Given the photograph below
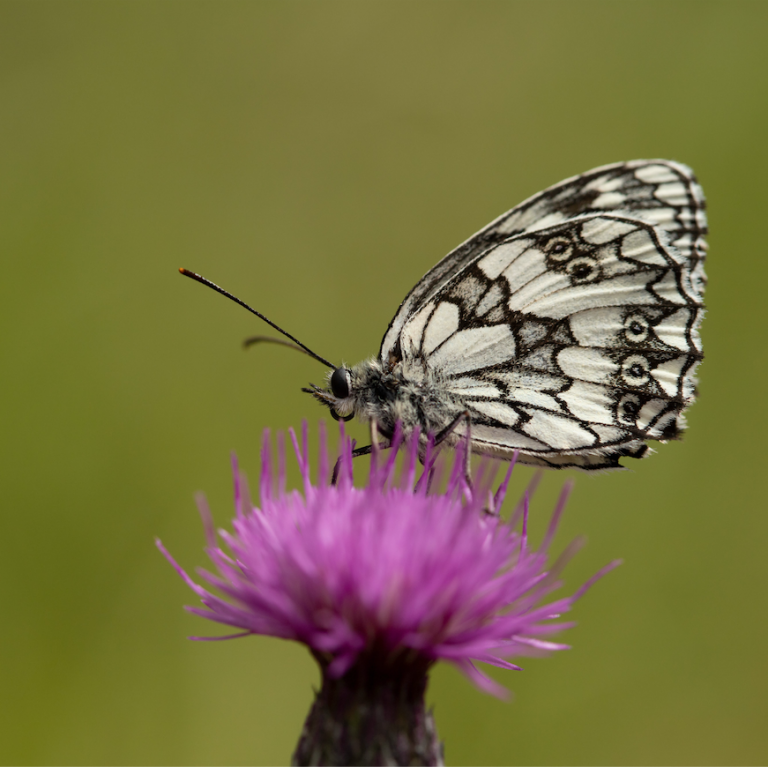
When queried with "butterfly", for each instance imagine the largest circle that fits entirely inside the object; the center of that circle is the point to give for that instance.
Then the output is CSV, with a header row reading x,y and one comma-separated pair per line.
x,y
566,331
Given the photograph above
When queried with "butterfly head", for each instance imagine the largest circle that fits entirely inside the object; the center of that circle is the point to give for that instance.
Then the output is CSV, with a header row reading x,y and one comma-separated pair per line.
x,y
370,391
339,397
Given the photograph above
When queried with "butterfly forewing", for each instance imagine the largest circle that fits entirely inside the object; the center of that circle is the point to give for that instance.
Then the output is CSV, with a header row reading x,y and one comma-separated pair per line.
x,y
569,326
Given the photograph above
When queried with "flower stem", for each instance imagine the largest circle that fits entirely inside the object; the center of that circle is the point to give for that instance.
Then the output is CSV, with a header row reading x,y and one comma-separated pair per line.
x,y
373,714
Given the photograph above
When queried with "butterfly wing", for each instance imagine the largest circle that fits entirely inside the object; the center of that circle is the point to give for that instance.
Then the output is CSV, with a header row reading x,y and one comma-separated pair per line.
x,y
662,193
573,343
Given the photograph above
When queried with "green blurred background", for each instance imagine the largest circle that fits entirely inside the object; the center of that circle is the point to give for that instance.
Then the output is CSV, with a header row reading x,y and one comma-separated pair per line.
x,y
316,159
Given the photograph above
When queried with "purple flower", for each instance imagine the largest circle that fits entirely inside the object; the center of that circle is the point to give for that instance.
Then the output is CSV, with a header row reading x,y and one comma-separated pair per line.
x,y
390,570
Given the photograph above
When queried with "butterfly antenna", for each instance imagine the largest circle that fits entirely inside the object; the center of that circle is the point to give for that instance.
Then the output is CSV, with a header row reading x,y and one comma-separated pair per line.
x,y
223,292
253,340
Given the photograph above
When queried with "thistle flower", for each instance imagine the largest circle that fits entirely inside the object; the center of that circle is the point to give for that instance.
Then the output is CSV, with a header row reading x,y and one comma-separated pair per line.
x,y
380,582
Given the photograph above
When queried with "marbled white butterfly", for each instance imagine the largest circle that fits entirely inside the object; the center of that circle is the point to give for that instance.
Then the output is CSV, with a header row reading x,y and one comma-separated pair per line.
x,y
565,330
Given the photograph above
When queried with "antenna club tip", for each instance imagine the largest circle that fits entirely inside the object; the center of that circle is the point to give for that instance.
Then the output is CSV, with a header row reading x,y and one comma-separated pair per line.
x,y
182,270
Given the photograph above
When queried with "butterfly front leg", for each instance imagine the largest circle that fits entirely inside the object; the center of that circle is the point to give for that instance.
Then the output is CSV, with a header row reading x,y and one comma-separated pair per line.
x,y
375,447
356,452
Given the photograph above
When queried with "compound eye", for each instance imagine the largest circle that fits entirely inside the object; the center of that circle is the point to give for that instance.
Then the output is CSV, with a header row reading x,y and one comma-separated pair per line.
x,y
340,383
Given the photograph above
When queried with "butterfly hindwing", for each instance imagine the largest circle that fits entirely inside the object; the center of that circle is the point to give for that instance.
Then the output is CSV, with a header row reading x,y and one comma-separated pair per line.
x,y
573,343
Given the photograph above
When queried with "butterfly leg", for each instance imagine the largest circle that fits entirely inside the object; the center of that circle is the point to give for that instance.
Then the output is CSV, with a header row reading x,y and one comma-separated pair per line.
x,y
448,430
375,446
358,451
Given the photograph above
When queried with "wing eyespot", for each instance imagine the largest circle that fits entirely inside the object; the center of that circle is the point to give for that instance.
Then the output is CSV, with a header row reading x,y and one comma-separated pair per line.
x,y
636,328
584,269
628,409
558,249
635,370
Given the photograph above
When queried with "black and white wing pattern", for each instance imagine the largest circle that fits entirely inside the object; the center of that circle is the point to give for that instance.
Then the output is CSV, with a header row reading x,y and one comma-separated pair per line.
x,y
568,327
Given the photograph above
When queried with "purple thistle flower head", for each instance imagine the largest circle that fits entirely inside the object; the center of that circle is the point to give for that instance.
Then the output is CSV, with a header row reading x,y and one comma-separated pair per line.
x,y
390,570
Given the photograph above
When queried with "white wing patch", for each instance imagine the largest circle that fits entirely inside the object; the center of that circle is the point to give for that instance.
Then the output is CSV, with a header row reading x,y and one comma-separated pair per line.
x,y
598,327
587,364
559,432
492,298
590,402
473,387
628,289
640,246
413,332
506,439
663,173
497,411
500,258
442,325
600,230
667,289
668,375
474,349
